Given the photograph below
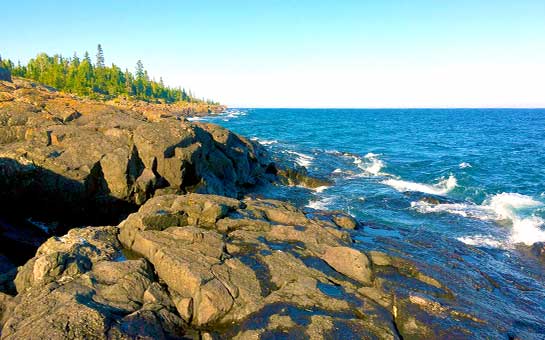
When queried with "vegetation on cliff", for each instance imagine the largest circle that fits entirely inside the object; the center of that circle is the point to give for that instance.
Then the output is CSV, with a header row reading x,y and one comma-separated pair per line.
x,y
97,80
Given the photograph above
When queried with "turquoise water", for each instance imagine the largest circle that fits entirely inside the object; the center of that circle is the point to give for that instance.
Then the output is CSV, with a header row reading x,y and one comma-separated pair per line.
x,y
427,184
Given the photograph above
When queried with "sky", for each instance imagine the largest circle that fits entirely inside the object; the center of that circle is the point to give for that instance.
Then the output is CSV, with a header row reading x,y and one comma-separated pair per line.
x,y
305,53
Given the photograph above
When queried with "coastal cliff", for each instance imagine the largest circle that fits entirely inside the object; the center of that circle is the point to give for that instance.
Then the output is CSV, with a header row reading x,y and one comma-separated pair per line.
x,y
145,227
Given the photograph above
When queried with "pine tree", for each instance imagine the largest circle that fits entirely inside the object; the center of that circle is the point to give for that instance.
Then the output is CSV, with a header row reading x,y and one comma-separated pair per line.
x,y
100,57
84,78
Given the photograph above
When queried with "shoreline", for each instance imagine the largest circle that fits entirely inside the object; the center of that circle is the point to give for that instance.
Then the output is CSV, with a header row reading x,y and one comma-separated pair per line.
x,y
187,252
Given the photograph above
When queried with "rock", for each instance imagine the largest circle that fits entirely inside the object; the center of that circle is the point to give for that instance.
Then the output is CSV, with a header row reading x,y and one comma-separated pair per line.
x,y
210,266
92,163
379,258
110,298
300,176
7,304
349,262
538,249
345,221
68,256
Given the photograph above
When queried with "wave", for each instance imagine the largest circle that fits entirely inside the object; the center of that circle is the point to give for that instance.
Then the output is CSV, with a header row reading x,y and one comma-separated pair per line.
x,y
321,188
321,204
481,241
370,164
441,188
233,113
264,141
508,207
464,165
301,158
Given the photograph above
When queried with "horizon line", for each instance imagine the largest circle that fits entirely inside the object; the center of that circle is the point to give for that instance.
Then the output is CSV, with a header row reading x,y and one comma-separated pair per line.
x,y
385,108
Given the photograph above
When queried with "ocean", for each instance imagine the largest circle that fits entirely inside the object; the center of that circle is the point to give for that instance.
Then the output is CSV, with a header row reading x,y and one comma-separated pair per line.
x,y
459,191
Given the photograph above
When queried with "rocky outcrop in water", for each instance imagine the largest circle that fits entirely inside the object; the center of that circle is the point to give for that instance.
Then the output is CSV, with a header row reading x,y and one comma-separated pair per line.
x,y
215,267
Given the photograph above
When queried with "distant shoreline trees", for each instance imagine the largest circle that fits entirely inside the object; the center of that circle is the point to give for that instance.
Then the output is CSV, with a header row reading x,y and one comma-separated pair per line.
x,y
84,78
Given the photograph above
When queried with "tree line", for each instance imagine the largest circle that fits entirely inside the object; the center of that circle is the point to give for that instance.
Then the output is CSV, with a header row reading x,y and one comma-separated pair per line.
x,y
85,78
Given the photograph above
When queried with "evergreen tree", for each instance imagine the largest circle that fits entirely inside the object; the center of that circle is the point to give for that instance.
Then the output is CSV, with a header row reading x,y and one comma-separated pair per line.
x,y
100,57
84,78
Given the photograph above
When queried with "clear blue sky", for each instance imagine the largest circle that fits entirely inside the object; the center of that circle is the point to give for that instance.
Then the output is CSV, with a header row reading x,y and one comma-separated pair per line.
x,y
305,53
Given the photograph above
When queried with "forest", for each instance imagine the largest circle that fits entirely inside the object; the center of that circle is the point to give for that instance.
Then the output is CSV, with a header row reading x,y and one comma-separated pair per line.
x,y
84,77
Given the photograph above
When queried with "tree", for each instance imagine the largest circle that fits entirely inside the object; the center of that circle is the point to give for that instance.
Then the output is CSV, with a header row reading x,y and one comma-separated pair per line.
x,y
100,57
98,80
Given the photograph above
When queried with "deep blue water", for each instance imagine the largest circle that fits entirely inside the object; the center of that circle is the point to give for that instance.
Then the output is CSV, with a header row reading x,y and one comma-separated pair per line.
x,y
484,168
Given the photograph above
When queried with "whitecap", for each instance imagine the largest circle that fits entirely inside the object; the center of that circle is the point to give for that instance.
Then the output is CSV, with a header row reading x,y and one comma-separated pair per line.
x,y
302,159
464,165
337,171
321,188
234,113
462,209
370,164
509,207
441,188
266,142
481,241
321,204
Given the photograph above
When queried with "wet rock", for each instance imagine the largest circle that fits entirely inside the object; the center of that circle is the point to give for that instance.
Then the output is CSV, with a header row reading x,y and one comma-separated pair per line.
x,y
299,176
379,258
538,249
345,221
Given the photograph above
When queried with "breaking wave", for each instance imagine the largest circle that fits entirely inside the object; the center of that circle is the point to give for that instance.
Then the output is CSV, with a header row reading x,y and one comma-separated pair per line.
x,y
510,207
370,164
301,158
441,188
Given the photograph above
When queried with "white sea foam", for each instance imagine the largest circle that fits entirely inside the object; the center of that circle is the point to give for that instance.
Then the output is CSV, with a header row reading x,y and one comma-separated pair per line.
x,y
509,207
337,171
321,188
462,209
195,119
320,204
441,188
526,229
264,141
268,142
481,241
464,165
234,113
370,164
302,159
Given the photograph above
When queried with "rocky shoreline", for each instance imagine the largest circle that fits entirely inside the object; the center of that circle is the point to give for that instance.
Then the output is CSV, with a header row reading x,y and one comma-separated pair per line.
x,y
147,229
